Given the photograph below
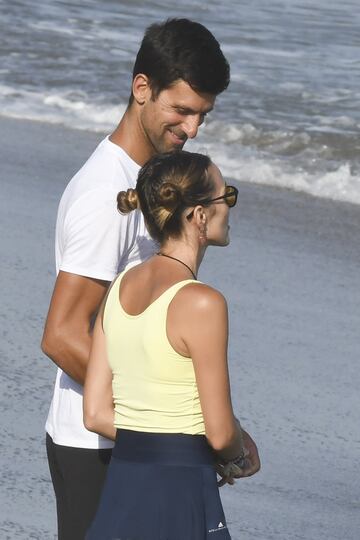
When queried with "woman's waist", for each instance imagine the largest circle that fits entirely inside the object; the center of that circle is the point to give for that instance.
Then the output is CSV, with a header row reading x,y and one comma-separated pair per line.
x,y
163,448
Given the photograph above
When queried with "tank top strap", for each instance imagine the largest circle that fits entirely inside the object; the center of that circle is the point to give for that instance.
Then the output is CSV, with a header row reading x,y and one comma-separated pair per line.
x,y
159,308
167,296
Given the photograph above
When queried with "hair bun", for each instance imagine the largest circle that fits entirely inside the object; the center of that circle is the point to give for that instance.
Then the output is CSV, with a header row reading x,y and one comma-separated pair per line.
x,y
169,196
127,201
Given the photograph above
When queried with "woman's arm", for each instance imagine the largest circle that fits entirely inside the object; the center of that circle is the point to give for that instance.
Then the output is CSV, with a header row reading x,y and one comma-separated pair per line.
x,y
98,405
204,331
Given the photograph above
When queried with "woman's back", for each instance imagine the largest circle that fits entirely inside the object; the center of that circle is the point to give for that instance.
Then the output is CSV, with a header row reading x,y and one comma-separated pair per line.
x,y
154,387
144,283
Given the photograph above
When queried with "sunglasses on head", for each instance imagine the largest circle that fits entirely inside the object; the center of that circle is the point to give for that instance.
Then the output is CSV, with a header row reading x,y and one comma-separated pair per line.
x,y
230,197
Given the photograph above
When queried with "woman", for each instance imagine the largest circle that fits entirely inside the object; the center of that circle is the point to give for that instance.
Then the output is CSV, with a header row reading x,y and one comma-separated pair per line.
x,y
157,380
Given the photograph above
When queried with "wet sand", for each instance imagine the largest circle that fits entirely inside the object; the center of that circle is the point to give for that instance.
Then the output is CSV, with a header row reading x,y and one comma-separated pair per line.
x,y
291,276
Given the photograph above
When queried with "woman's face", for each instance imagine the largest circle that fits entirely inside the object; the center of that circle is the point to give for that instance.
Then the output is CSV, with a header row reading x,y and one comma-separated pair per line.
x,y
217,226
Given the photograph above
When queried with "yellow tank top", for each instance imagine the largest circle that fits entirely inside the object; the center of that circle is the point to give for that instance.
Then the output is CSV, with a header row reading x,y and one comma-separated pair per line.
x,y
154,387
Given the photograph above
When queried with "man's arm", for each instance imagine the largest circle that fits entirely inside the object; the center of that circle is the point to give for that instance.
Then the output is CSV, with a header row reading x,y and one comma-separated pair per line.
x,y
67,334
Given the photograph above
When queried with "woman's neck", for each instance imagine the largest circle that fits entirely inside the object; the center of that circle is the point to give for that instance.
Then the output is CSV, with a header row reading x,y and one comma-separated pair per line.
x,y
188,254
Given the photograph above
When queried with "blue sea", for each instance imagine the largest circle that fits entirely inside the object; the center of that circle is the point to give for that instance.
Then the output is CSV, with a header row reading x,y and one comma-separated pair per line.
x,y
290,118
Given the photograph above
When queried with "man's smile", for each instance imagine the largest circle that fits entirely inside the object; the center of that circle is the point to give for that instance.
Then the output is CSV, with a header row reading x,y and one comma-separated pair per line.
x,y
179,139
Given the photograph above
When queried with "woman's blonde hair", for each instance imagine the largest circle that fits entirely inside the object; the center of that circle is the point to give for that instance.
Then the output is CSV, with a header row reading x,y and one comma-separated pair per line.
x,y
166,185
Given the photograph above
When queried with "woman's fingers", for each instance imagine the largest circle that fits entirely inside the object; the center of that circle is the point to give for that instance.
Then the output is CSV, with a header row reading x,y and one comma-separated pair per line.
x,y
228,472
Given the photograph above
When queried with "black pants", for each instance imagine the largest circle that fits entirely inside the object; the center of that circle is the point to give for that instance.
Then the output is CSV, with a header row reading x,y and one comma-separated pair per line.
x,y
78,475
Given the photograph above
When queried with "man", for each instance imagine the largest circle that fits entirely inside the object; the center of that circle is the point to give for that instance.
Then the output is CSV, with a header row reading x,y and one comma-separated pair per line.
x,y
178,73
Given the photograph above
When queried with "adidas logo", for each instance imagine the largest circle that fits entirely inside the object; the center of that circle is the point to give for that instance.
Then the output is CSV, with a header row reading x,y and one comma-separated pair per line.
x,y
218,528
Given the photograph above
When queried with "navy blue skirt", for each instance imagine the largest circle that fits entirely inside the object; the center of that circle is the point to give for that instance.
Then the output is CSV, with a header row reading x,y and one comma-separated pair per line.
x,y
160,487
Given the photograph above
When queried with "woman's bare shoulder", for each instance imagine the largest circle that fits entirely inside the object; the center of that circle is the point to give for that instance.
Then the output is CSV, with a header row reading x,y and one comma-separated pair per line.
x,y
201,297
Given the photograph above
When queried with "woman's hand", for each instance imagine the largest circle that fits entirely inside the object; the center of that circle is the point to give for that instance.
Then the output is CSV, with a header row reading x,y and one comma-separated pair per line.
x,y
229,471
252,459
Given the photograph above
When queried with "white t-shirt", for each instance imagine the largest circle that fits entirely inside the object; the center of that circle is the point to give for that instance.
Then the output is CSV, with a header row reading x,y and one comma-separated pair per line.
x,y
94,240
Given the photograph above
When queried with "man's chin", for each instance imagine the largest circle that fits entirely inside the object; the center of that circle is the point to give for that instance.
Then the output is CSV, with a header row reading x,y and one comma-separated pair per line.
x,y
178,147
172,148
165,146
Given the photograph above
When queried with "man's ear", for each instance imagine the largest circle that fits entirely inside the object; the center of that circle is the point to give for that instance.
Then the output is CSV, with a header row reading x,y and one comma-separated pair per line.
x,y
141,88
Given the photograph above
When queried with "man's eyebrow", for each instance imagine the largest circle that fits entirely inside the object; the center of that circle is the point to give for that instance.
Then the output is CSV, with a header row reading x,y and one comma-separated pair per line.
x,y
191,111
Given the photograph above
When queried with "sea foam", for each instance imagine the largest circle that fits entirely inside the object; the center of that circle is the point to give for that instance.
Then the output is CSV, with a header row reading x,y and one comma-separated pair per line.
x,y
244,152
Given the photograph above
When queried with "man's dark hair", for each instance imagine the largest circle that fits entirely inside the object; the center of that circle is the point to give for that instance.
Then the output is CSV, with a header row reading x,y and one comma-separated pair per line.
x,y
182,49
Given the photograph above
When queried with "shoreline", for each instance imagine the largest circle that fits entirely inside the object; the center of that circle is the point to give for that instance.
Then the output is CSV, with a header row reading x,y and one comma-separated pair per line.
x,y
199,146
291,278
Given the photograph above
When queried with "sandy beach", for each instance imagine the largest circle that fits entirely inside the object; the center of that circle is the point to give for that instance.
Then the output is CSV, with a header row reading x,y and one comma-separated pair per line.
x,y
291,276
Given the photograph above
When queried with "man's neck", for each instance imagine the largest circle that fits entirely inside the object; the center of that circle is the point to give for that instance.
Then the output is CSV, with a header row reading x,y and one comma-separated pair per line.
x,y
129,136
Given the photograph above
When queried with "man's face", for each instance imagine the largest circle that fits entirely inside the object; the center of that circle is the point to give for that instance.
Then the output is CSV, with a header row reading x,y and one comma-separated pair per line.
x,y
174,116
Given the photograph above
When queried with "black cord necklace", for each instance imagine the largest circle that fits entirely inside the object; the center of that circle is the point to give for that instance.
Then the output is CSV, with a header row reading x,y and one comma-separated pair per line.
x,y
178,260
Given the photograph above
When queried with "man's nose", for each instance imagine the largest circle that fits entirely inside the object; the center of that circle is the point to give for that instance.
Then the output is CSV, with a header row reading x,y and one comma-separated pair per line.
x,y
191,125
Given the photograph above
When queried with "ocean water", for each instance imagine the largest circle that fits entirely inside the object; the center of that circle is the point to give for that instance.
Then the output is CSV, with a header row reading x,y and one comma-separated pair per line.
x,y
290,118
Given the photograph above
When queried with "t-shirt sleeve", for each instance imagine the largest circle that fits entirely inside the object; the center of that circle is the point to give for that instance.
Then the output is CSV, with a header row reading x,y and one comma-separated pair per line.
x,y
94,237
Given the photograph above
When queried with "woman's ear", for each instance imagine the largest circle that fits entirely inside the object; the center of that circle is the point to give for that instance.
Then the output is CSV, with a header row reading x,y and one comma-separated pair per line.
x,y
202,216
141,88
199,215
